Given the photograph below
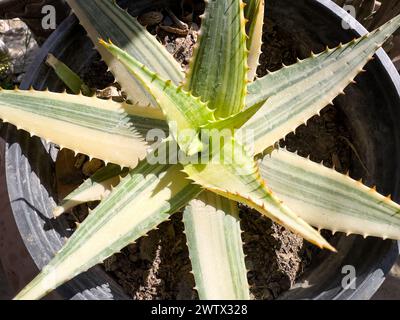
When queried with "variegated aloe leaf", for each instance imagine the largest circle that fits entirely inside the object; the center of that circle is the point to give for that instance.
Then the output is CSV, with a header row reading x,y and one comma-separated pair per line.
x,y
254,13
236,287
233,174
147,196
329,200
185,113
97,187
212,228
98,128
104,19
193,118
235,121
221,39
218,69
298,92
70,78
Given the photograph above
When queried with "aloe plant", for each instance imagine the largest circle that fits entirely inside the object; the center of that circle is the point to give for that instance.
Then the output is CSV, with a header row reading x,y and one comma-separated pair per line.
x,y
217,94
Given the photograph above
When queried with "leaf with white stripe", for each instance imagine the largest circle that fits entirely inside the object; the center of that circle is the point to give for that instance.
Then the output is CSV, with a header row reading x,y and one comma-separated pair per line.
x,y
329,200
97,187
235,121
254,13
218,69
185,113
298,92
237,178
104,129
104,19
147,196
212,228
223,84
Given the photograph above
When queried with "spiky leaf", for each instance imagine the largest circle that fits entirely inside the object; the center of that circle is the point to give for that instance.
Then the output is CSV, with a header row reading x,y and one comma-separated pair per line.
x,y
104,19
212,228
218,69
254,13
298,92
209,76
143,199
185,113
99,128
235,121
329,200
232,173
97,187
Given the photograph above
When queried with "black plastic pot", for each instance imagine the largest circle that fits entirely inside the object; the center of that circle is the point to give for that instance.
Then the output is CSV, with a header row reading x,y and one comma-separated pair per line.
x,y
372,110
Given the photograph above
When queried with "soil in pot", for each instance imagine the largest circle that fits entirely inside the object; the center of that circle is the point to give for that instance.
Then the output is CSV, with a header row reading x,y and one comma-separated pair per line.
x,y
158,266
